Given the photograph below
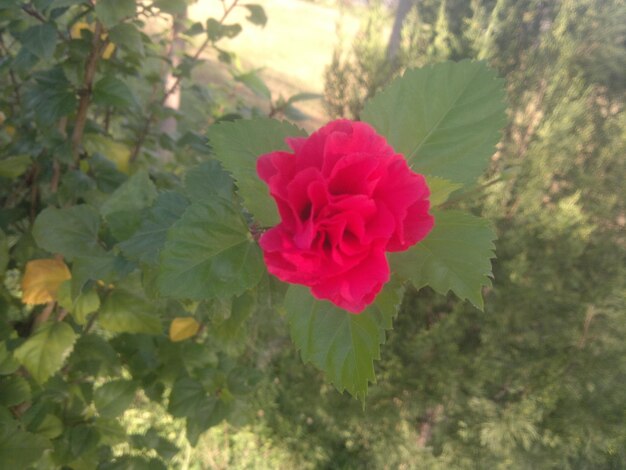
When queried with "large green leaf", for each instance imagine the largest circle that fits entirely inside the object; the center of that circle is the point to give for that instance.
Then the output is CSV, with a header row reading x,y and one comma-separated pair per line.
x,y
14,390
209,253
111,91
188,395
72,231
455,256
114,397
147,241
444,118
208,181
45,351
124,312
20,449
341,344
238,145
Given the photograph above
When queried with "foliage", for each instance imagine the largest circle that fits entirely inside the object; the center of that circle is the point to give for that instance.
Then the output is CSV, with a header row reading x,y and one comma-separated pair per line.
x,y
136,243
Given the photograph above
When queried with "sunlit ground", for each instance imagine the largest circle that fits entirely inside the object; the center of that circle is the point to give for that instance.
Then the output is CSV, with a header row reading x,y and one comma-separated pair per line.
x,y
294,48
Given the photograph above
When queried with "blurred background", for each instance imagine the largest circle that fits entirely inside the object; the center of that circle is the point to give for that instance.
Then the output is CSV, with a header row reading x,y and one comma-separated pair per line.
x,y
537,380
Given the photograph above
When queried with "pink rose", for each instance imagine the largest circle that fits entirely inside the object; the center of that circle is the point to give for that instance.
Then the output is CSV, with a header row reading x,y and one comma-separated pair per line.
x,y
345,197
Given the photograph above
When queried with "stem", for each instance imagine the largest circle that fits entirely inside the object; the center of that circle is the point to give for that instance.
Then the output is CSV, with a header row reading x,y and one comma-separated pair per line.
x,y
44,315
86,91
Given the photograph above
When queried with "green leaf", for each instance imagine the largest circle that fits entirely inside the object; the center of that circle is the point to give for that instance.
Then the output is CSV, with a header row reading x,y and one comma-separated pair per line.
x,y
454,256
187,397
304,97
45,351
13,391
440,189
94,356
20,449
209,253
444,118
122,210
342,345
51,427
216,30
257,14
111,91
148,240
40,40
111,12
80,307
72,231
208,181
124,312
51,96
127,36
8,364
114,397
12,167
105,267
238,145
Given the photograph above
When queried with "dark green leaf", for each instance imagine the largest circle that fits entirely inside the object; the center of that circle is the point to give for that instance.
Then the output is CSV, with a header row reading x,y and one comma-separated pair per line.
x,y
40,40
4,252
45,351
208,181
187,397
13,391
20,449
127,36
93,356
114,397
72,231
124,312
238,145
173,7
111,91
343,345
304,97
445,118
148,240
209,253
257,14
455,256
51,97
216,31
111,12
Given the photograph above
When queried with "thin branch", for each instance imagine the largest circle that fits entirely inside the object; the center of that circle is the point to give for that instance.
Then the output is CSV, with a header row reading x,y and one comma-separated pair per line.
x,y
86,91
44,315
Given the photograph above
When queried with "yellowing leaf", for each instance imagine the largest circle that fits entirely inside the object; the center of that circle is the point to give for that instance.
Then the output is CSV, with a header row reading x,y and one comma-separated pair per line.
x,y
183,328
42,279
75,31
108,51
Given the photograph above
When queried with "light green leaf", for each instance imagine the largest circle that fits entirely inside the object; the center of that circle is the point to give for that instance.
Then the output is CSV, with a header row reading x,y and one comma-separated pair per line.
x,y
50,427
209,253
238,145
86,302
72,231
440,189
45,351
40,40
111,12
111,91
342,345
12,167
257,14
114,397
8,364
124,312
148,240
13,391
454,256
20,449
445,118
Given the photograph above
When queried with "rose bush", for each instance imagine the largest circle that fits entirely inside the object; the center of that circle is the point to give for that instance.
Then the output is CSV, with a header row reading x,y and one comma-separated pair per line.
x,y
345,197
